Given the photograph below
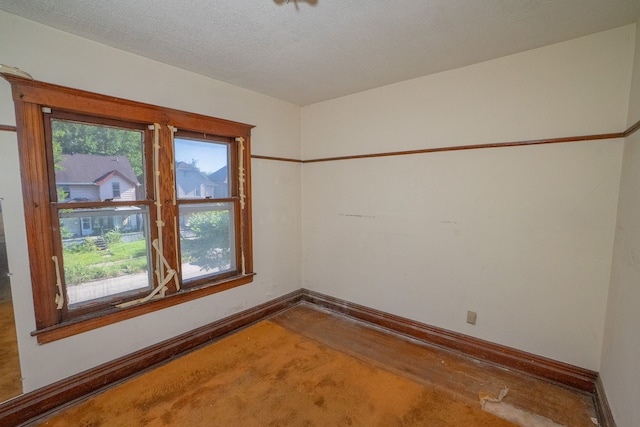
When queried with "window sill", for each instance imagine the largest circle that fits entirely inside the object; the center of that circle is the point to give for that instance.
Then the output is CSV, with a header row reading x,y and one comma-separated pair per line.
x,y
77,326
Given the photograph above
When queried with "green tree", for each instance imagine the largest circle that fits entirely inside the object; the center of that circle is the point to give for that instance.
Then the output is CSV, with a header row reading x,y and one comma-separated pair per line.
x,y
210,248
79,138
57,156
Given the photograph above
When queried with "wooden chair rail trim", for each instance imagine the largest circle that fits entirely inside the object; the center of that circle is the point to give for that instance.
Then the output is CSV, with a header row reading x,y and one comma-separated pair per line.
x,y
281,159
581,138
631,130
8,128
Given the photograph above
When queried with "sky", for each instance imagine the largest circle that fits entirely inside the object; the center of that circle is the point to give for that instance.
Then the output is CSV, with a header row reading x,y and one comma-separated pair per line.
x,y
209,156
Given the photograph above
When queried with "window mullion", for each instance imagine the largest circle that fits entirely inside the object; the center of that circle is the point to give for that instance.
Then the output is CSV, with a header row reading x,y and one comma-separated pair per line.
x,y
166,197
245,229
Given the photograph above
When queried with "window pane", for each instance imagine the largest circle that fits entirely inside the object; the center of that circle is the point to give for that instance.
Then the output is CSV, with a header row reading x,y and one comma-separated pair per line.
x,y
105,253
207,239
96,163
202,169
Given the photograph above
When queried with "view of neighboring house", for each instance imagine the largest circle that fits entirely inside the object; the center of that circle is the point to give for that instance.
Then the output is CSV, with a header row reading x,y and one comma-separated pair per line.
x,y
193,184
90,177
220,178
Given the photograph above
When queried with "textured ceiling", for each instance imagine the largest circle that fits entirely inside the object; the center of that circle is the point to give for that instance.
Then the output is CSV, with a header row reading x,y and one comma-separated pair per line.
x,y
307,51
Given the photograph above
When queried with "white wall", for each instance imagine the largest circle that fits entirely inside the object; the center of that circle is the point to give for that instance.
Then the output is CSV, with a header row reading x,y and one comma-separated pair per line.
x,y
57,57
620,369
523,236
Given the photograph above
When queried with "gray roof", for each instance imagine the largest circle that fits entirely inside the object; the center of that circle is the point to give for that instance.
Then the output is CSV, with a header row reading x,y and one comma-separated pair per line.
x,y
220,176
85,168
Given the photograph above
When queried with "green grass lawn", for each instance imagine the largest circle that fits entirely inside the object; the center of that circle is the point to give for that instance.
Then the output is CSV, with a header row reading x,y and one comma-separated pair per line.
x,y
87,263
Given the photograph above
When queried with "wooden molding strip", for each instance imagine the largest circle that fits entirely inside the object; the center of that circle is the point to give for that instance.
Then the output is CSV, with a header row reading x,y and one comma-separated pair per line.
x,y
475,147
614,135
605,416
67,329
552,370
281,159
66,98
8,128
632,129
34,404
581,138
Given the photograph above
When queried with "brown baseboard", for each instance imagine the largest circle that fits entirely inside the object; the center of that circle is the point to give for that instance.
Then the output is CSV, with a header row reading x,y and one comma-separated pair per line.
x,y
552,370
605,416
34,404
31,405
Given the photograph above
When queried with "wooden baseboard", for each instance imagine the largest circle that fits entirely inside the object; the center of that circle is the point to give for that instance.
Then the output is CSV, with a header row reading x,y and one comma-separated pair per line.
x,y
605,416
34,404
552,370
31,405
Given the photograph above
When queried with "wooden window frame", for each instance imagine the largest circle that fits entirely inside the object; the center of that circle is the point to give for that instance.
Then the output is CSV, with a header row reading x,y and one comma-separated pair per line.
x,y
30,97
95,307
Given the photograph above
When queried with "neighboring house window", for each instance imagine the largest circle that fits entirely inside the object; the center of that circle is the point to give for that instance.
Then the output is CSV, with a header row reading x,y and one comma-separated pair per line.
x,y
85,224
115,187
116,258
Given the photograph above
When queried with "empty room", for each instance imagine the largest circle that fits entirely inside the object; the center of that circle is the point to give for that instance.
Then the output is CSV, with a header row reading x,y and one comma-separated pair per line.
x,y
320,213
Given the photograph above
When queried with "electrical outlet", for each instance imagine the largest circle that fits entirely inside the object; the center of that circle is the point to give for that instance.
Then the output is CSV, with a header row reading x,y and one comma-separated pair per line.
x,y
471,317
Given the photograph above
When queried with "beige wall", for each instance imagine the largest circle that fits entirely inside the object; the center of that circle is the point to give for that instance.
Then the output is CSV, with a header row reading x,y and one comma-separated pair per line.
x,y
523,236
56,57
620,369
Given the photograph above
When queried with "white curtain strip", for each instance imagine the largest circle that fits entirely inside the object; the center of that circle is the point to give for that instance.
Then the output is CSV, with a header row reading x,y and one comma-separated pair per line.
x,y
175,236
241,176
60,295
241,185
173,130
157,243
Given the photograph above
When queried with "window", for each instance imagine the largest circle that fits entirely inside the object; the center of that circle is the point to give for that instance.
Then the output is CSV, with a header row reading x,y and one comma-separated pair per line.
x,y
147,207
111,261
207,238
115,189
85,223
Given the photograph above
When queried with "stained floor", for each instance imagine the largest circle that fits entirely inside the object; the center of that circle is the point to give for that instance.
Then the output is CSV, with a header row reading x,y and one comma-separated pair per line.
x,y
459,376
